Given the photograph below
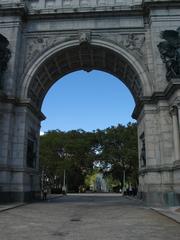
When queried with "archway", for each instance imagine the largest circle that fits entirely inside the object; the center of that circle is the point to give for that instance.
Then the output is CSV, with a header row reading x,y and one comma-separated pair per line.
x,y
87,100
86,106
49,41
69,57
44,72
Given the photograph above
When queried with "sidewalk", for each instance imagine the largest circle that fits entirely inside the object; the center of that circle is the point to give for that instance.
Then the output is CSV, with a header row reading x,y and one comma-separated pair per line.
x,y
8,206
5,207
171,212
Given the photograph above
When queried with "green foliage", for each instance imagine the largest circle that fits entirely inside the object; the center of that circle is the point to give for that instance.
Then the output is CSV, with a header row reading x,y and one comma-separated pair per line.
x,y
71,151
77,150
120,149
90,179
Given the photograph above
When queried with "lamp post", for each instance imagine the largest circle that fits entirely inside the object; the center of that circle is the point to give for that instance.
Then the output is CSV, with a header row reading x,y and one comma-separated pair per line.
x,y
124,181
64,190
61,153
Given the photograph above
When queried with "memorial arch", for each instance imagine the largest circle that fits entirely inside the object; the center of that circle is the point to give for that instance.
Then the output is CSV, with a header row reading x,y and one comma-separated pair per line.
x,y
45,40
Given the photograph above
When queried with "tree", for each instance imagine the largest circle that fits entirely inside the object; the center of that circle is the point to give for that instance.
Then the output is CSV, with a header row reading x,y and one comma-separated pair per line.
x,y
119,146
71,151
76,151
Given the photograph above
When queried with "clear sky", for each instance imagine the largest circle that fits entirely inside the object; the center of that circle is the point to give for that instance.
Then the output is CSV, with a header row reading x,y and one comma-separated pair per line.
x,y
87,101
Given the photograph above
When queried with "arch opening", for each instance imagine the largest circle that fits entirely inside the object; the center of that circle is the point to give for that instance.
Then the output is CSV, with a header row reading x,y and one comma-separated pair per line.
x,y
84,168
87,101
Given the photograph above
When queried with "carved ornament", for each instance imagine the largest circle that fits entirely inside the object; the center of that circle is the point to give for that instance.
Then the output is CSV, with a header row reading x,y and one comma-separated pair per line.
x,y
134,42
170,52
84,37
5,54
37,45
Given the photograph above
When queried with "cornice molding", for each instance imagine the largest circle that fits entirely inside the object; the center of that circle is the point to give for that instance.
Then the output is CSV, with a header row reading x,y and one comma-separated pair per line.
x,y
22,103
159,169
85,12
9,9
173,85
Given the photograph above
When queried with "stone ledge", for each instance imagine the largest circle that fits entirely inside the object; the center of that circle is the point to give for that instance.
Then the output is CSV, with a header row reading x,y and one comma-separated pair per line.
x,y
172,86
22,103
160,2
6,168
169,168
85,12
12,8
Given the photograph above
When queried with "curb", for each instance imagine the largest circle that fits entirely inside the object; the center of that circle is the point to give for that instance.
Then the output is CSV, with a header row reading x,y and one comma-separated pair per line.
x,y
134,199
12,207
9,207
167,214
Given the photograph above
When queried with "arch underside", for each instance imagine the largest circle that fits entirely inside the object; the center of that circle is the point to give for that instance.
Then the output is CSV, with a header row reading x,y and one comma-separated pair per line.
x,y
82,57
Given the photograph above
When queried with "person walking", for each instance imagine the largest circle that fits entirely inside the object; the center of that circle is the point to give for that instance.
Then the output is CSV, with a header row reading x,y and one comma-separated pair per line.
x,y
44,193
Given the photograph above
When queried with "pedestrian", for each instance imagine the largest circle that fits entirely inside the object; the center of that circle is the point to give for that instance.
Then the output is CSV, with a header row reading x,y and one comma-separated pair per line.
x,y
130,190
44,193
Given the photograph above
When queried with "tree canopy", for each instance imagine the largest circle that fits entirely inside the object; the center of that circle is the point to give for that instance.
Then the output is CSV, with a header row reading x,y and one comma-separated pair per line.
x,y
78,151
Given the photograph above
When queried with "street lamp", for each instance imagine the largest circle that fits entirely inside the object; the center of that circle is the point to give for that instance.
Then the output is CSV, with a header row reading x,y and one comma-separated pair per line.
x,y
61,153
64,190
124,181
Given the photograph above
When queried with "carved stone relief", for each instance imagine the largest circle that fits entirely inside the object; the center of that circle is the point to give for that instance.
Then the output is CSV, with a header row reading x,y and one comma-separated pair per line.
x,y
67,2
170,52
84,37
31,149
37,45
39,4
143,151
134,42
5,55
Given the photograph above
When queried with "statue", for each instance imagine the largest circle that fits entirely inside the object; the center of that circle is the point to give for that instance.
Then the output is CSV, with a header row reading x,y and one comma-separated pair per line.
x,y
5,55
143,151
170,52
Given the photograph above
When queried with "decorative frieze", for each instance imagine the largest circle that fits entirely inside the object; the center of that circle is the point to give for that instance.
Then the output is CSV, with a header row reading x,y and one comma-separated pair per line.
x,y
134,42
43,4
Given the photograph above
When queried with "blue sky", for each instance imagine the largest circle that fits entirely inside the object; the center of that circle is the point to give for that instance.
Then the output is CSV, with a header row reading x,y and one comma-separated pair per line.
x,y
88,101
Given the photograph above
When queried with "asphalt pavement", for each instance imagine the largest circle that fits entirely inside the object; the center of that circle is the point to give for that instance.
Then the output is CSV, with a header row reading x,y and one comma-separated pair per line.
x,y
86,217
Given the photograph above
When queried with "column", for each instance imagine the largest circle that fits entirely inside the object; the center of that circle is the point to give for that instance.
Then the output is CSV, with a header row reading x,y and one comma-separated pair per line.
x,y
178,109
174,114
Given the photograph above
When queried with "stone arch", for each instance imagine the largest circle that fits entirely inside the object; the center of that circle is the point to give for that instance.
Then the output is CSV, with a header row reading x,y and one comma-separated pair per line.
x,y
73,55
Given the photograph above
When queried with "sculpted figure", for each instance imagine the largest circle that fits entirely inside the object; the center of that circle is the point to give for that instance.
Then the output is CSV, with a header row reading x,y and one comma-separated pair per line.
x,y
84,37
143,151
143,155
170,52
5,54
131,42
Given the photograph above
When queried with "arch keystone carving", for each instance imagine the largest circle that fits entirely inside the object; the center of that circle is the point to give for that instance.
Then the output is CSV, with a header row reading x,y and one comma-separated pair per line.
x,y
84,37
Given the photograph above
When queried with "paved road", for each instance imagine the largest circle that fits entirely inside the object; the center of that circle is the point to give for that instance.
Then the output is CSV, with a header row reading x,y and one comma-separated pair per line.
x,y
86,217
